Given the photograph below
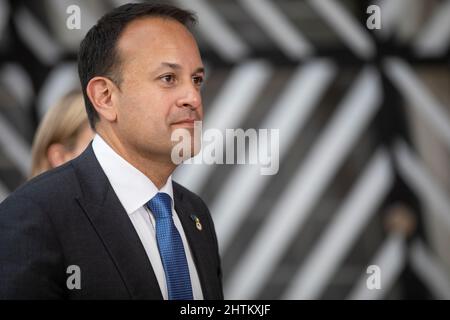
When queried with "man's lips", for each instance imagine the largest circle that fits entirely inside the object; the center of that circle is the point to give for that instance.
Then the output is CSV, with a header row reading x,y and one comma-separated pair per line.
x,y
189,121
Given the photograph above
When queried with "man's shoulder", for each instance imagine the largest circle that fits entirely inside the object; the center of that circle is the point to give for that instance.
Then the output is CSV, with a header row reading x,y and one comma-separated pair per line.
x,y
50,184
184,192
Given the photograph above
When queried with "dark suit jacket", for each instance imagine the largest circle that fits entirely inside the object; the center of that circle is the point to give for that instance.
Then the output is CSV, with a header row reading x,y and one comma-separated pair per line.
x,y
71,216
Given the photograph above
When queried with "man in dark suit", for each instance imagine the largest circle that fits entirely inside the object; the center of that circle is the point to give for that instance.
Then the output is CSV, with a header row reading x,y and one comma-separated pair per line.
x,y
111,224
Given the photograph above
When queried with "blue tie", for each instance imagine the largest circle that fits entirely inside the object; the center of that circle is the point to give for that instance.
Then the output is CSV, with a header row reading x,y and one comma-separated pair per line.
x,y
171,248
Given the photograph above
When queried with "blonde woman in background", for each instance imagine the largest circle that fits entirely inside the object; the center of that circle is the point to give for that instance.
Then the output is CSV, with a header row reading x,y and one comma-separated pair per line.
x,y
62,135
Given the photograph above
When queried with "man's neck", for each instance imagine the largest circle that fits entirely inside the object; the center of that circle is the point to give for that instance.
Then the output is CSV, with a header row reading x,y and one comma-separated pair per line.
x,y
157,170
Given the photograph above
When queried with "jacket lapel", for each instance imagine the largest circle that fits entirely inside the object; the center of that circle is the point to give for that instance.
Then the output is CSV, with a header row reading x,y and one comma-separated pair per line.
x,y
197,239
110,220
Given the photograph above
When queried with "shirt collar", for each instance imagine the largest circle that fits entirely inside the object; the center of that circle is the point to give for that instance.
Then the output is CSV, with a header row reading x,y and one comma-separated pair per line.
x,y
131,186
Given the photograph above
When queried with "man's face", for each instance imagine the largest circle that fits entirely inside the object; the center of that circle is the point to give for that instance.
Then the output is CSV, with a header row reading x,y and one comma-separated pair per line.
x,y
161,71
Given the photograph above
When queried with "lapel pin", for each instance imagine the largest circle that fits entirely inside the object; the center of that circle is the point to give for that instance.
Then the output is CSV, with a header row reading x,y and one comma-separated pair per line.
x,y
197,222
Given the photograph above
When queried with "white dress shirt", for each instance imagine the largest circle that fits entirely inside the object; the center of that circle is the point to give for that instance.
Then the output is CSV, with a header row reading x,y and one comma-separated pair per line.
x,y
134,190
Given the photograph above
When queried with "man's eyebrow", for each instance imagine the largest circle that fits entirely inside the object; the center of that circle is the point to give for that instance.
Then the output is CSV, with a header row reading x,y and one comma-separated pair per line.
x,y
176,66
200,70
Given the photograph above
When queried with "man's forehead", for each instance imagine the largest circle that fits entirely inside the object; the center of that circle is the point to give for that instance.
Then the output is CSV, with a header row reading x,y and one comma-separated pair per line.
x,y
151,35
154,29
154,40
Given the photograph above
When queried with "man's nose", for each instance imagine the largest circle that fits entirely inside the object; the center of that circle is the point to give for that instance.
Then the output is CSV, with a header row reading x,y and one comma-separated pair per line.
x,y
191,97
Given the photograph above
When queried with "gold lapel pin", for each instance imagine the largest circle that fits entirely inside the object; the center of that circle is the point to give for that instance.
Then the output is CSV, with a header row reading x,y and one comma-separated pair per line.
x,y
197,222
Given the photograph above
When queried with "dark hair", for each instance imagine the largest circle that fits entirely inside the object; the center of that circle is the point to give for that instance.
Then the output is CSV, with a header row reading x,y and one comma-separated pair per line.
x,y
98,54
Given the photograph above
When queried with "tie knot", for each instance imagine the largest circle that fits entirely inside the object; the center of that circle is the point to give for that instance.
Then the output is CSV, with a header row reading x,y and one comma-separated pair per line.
x,y
161,205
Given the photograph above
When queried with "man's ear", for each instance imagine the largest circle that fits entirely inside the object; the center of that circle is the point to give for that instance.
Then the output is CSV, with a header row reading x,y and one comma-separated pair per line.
x,y
100,91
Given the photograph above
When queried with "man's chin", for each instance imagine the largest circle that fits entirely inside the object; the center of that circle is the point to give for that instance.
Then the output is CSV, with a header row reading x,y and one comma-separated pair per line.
x,y
186,144
182,155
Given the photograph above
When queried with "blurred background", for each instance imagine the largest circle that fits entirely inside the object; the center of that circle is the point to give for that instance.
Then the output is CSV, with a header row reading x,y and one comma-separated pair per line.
x,y
364,119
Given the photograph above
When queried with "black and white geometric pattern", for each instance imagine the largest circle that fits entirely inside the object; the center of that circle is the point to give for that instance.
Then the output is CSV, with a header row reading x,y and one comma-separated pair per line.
x,y
364,119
